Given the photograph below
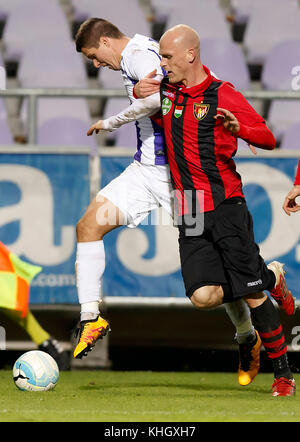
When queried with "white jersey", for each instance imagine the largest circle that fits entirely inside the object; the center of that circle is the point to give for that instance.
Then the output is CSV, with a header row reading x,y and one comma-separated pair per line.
x,y
139,58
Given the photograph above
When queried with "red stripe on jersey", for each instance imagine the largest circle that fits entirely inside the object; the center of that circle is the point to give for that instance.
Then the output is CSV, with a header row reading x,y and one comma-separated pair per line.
x,y
182,204
200,151
225,148
193,159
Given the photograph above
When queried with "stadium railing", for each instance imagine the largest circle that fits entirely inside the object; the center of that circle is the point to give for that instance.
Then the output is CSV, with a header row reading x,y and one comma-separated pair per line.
x,y
34,94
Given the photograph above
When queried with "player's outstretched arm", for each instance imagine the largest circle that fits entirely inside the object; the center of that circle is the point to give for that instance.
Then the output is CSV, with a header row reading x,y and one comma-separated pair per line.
x,y
144,107
290,205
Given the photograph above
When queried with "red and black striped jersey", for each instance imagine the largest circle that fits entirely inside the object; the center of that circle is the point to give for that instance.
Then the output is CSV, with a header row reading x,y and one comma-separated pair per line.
x,y
200,150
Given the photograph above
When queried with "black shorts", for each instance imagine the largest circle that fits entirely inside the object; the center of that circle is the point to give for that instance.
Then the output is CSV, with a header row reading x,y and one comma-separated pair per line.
x,y
225,253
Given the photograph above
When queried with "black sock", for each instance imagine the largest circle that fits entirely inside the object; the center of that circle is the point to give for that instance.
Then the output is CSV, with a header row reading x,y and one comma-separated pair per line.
x,y
266,320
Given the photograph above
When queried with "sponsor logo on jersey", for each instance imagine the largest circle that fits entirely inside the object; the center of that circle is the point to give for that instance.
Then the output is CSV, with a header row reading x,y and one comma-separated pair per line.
x,y
169,94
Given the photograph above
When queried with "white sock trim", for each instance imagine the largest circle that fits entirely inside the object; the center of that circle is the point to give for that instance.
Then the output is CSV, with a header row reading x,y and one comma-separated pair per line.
x,y
90,307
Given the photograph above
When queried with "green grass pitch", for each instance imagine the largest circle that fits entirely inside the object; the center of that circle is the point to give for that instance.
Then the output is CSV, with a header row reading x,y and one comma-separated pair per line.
x,y
115,396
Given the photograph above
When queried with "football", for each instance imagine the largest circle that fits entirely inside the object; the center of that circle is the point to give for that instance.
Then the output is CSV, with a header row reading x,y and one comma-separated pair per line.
x,y
35,371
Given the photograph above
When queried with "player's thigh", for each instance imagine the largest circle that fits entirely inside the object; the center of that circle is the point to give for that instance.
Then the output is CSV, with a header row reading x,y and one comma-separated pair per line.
x,y
131,194
233,234
101,216
160,186
201,263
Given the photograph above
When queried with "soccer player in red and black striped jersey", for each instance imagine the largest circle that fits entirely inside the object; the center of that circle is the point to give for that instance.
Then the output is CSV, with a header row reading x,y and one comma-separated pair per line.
x,y
202,118
289,204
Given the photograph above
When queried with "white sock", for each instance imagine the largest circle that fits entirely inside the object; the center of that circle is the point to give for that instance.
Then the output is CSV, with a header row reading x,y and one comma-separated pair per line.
x,y
239,313
90,265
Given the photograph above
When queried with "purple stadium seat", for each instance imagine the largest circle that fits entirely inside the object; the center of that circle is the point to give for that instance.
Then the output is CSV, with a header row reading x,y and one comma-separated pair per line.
x,y
66,132
226,59
110,79
126,136
277,75
7,7
282,114
291,137
2,77
30,22
270,26
163,9
243,9
3,110
205,16
114,106
52,63
5,133
127,15
49,108
278,65
2,73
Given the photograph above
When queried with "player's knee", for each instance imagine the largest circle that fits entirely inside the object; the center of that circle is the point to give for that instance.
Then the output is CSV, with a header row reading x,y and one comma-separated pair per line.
x,y
81,229
255,299
207,297
87,231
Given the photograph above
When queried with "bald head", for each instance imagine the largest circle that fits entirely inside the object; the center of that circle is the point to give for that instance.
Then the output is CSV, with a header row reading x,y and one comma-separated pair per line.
x,y
180,52
183,37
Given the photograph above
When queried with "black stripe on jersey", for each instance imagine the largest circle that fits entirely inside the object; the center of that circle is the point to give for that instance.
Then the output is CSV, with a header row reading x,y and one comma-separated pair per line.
x,y
206,142
177,130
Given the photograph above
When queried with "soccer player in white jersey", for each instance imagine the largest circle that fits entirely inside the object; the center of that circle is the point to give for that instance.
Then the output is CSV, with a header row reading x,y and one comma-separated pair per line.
x,y
143,186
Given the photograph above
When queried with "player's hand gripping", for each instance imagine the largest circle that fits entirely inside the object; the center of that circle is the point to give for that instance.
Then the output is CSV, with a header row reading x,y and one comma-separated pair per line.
x,y
230,122
289,204
95,127
147,86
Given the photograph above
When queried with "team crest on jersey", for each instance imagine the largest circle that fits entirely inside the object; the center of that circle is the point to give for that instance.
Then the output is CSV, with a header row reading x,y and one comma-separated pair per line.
x,y
166,106
200,110
178,111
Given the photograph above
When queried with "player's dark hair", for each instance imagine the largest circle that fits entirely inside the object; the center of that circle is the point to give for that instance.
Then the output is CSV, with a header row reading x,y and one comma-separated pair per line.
x,y
92,30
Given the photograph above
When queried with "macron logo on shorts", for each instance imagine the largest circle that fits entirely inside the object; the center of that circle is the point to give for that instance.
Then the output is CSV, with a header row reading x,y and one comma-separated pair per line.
x,y
253,283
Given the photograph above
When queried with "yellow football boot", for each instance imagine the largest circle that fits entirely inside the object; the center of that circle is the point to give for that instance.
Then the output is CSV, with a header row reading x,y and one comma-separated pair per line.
x,y
249,361
89,333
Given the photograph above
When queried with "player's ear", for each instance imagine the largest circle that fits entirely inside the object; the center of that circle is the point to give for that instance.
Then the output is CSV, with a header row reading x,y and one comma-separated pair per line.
x,y
190,55
104,40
